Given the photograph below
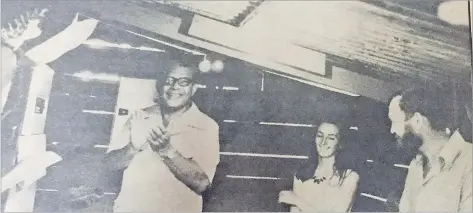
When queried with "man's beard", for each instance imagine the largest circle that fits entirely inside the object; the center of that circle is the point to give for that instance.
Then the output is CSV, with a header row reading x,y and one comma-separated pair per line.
x,y
411,142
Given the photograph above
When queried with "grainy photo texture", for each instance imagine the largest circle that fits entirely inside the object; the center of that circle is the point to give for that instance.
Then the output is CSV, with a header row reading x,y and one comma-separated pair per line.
x,y
236,106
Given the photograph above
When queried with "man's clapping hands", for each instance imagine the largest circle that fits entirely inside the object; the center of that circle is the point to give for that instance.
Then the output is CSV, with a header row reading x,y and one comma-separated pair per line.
x,y
148,129
158,138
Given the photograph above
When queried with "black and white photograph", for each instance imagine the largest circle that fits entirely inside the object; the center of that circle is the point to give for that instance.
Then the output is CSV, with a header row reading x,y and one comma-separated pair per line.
x,y
236,106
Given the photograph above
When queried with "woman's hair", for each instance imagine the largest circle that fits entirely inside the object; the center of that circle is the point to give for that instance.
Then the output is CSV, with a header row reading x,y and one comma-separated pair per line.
x,y
344,156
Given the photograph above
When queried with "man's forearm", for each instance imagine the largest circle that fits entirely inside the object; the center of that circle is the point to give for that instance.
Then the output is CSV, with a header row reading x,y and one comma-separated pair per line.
x,y
186,170
119,159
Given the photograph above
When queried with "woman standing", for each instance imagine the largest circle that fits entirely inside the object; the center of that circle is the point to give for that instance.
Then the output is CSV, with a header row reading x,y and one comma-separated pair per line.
x,y
326,182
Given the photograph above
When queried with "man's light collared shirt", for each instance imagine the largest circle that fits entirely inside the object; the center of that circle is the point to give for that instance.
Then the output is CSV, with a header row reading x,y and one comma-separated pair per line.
x,y
449,186
149,186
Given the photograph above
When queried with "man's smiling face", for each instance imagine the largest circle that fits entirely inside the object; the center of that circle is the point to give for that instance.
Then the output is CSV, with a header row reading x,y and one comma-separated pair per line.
x,y
178,87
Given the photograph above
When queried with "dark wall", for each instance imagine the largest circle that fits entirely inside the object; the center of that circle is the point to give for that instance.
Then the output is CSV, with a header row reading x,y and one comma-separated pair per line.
x,y
73,133
379,175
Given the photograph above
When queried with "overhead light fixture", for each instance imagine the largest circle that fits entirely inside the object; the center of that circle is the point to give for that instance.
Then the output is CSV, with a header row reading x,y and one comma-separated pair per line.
x,y
454,12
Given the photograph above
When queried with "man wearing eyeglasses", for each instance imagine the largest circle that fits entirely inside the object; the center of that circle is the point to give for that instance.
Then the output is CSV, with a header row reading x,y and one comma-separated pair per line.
x,y
170,150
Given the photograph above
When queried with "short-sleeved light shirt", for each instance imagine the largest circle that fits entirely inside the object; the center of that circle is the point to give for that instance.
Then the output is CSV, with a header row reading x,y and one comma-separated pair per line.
x,y
149,186
448,188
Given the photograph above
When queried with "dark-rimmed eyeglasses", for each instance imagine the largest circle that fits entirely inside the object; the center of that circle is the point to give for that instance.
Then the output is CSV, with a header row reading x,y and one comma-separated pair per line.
x,y
183,82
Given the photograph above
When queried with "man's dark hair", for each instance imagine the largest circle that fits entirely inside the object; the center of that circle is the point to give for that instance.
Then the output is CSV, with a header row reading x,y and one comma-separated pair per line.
x,y
431,101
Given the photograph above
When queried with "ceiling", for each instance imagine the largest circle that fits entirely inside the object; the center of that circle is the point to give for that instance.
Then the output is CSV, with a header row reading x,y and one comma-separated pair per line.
x,y
396,38
372,44
425,6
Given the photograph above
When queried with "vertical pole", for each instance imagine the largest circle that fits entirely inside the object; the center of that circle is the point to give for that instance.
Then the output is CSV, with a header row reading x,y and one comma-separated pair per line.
x,y
21,199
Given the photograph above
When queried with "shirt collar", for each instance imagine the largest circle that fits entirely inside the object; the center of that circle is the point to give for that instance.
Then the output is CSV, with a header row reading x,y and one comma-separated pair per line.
x,y
452,149
449,152
192,118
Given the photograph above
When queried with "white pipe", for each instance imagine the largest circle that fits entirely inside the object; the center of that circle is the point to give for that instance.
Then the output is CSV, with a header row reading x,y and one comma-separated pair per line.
x,y
252,177
374,197
152,39
263,155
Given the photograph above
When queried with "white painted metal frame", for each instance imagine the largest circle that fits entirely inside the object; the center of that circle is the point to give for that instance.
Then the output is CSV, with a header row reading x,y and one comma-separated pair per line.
x,y
32,139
